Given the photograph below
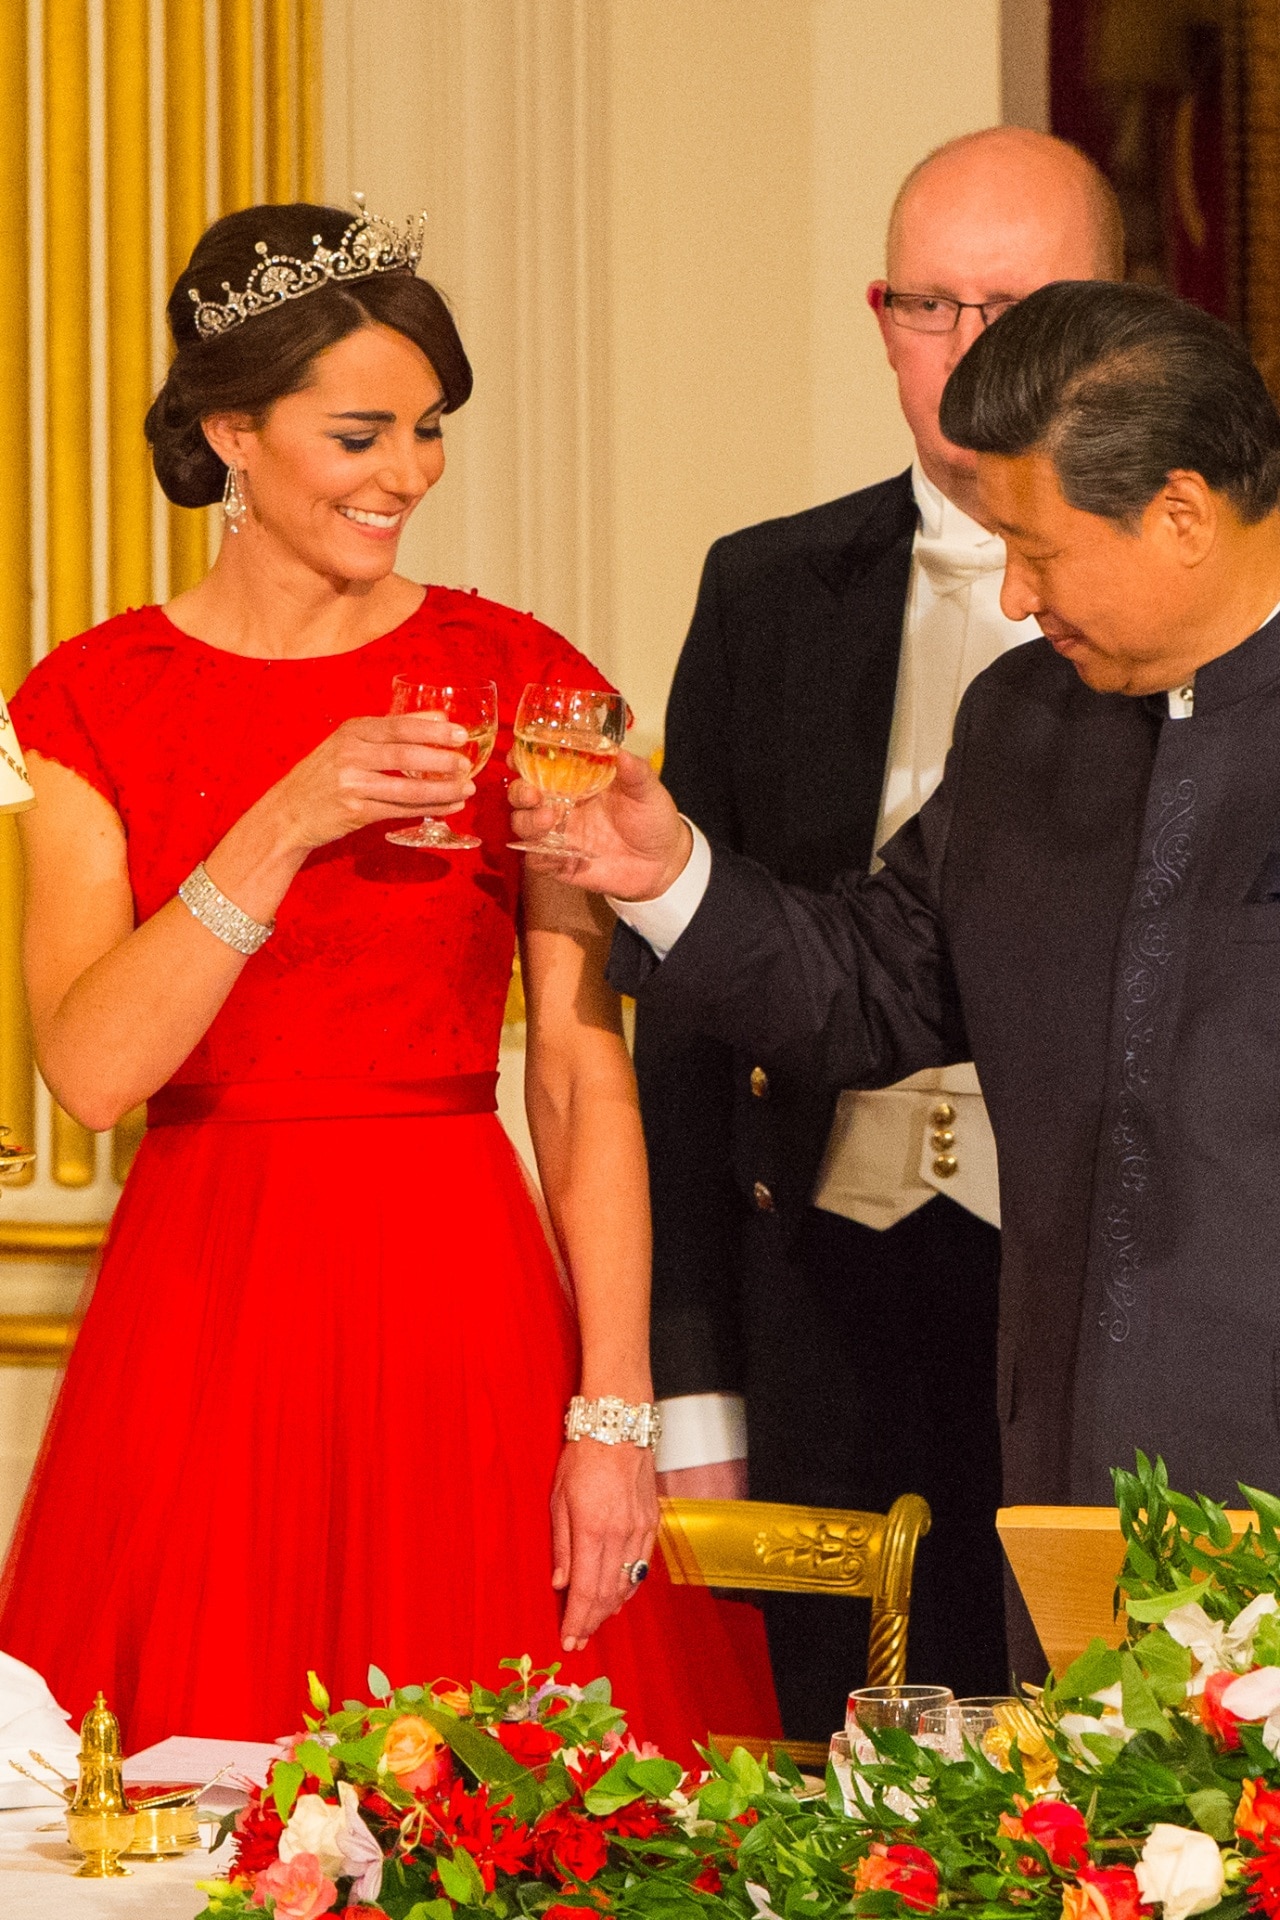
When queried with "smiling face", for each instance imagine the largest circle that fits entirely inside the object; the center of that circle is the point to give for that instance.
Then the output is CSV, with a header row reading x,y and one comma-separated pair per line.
x,y
1133,611
333,471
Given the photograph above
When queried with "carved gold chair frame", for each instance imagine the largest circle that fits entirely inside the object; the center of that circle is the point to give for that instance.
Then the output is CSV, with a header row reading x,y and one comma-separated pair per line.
x,y
769,1547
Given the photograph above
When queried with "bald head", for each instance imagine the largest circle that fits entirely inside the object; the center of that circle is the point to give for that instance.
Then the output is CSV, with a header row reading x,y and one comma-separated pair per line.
x,y
1031,184
984,221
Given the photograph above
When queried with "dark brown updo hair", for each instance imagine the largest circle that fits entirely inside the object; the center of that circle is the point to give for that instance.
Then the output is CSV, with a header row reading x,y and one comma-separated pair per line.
x,y
270,355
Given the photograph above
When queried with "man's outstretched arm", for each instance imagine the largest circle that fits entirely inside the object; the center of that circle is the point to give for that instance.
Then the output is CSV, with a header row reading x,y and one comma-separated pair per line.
x,y
855,985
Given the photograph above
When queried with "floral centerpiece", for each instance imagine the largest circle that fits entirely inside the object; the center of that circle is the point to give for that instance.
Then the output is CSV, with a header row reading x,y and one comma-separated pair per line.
x,y
1152,1785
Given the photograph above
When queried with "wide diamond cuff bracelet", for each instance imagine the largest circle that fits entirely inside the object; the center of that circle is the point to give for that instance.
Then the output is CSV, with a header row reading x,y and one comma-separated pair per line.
x,y
612,1421
211,907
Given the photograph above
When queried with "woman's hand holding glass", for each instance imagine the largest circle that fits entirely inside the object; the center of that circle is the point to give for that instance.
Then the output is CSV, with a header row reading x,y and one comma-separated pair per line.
x,y
378,767
475,710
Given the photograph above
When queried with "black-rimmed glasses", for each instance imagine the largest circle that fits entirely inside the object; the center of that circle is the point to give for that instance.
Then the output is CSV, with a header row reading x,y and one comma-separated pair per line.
x,y
933,313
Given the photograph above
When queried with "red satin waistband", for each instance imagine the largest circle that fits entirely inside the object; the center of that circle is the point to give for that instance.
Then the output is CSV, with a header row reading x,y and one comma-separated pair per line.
x,y
321,1099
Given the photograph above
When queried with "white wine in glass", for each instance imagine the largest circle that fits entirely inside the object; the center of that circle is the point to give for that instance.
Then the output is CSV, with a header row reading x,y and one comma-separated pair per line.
x,y
476,709
566,745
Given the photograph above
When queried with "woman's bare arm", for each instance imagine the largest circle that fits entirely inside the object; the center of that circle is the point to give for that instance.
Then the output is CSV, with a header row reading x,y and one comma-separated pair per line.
x,y
115,1009
584,1115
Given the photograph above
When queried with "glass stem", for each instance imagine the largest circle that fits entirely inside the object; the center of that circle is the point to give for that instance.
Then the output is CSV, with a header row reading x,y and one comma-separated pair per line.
x,y
557,832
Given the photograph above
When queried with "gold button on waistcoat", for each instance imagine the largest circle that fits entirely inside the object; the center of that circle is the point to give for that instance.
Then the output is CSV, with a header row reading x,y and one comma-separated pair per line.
x,y
759,1083
943,1114
945,1165
762,1197
943,1139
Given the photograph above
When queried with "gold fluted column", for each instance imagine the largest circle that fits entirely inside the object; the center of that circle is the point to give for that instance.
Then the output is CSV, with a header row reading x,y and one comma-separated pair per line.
x,y
235,103
68,392
308,182
184,222
280,62
17,1084
128,346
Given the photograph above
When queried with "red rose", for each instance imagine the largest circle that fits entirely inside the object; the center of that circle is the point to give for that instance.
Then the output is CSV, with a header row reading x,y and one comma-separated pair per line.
x,y
258,1829
708,1881
571,1847
1258,1815
1219,1720
907,1871
1263,1877
1104,1893
1056,1827
528,1742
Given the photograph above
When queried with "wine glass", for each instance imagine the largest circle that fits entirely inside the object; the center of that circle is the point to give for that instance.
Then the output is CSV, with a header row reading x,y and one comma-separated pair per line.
x,y
566,745
474,708
871,1709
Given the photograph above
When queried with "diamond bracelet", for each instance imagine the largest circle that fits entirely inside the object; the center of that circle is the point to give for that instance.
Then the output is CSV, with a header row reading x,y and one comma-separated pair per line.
x,y
612,1421
211,907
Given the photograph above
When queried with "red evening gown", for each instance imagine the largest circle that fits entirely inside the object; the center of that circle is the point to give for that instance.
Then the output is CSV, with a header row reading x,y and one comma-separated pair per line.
x,y
315,1405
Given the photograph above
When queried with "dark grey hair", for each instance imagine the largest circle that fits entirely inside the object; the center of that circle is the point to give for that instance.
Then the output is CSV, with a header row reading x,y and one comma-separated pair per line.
x,y
1121,385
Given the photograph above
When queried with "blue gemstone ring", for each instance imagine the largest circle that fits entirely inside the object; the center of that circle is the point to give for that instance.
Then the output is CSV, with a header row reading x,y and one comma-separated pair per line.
x,y
636,1571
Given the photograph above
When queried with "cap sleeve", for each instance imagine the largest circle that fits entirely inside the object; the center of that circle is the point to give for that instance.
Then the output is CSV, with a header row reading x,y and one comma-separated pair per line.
x,y
49,719
554,662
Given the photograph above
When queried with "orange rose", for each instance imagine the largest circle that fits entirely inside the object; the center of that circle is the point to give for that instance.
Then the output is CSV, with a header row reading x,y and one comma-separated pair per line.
x,y
457,1699
909,1872
1258,1814
1104,1893
414,1752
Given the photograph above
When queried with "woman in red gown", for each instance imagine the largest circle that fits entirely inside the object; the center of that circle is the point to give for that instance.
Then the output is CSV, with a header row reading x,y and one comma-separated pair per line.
x,y
313,1417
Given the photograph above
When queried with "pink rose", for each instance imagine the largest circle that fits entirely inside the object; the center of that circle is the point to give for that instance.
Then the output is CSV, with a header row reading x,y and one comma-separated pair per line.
x,y
300,1888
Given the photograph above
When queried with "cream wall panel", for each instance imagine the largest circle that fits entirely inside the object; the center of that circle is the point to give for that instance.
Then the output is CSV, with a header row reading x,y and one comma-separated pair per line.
x,y
655,219
891,80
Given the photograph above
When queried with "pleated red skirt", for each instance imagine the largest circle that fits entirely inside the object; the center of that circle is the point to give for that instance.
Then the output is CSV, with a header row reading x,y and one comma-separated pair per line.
x,y
311,1421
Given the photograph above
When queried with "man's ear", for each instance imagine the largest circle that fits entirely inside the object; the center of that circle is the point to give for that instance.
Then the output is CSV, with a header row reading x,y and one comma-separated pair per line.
x,y
1189,512
875,300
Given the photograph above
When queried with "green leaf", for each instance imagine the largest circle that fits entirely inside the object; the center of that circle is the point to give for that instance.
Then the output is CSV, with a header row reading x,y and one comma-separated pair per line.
x,y
486,1758
746,1770
379,1685
1139,1705
1212,1811
656,1777
316,1759
1159,1606
721,1800
454,1877
286,1782
1097,1667
1166,1665
430,1910
318,1694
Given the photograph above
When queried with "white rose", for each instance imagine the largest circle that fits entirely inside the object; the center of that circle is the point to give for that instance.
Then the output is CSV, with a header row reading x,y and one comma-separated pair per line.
x,y
1254,1696
1182,1870
314,1827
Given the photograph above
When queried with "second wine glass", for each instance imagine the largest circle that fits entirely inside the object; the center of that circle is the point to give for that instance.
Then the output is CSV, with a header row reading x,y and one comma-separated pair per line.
x,y
475,709
566,745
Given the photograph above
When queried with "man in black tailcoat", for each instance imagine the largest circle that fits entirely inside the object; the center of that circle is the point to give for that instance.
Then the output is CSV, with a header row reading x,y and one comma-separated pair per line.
x,y
826,1261
1088,906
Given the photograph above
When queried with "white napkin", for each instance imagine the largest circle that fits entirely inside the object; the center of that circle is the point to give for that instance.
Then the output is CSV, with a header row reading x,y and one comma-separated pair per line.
x,y
30,1717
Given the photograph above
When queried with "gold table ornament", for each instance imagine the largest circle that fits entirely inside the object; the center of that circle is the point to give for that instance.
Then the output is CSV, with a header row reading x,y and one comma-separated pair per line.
x,y
100,1822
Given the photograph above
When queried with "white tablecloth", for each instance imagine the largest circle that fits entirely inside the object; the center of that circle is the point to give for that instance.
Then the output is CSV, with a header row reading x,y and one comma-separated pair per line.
x,y
37,1878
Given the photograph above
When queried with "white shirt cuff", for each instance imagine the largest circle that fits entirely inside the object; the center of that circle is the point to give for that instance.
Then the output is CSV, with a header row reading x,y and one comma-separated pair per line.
x,y
660,922
701,1429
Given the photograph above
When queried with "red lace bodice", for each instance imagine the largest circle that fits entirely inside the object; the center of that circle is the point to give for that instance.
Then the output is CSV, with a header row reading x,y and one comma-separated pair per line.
x,y
389,963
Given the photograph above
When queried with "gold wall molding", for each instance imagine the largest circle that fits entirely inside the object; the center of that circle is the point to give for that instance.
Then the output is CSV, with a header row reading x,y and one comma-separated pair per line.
x,y
130,123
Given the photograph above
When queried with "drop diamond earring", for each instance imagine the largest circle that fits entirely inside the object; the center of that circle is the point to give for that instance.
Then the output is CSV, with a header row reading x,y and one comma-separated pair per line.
x,y
233,501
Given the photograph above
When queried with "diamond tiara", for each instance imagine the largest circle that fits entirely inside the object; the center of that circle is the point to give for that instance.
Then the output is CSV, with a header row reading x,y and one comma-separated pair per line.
x,y
370,245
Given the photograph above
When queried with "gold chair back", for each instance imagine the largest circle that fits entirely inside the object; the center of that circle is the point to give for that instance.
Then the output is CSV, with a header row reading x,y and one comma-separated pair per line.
x,y
771,1547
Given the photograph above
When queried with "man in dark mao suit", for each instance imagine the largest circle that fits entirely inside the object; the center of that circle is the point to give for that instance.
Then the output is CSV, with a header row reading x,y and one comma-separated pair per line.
x,y
1088,907
825,1263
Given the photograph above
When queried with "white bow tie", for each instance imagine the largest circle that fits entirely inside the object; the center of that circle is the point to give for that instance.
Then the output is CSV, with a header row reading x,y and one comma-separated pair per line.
x,y
951,565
